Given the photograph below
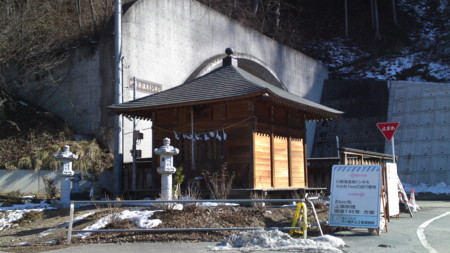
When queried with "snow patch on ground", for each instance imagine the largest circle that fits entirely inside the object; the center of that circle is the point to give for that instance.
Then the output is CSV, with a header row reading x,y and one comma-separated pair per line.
x,y
140,218
77,219
8,218
214,204
8,215
21,244
42,205
276,240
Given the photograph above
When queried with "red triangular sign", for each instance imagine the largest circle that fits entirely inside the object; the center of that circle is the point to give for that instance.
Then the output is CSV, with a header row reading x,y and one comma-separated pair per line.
x,y
388,129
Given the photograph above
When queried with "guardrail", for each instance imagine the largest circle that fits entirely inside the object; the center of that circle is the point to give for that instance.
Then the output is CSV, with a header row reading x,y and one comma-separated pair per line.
x,y
147,202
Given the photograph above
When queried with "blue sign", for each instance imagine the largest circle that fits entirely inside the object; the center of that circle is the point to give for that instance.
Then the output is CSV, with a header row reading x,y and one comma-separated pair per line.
x,y
355,196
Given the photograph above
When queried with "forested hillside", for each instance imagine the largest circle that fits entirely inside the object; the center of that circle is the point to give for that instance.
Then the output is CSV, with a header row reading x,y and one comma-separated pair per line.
x,y
382,39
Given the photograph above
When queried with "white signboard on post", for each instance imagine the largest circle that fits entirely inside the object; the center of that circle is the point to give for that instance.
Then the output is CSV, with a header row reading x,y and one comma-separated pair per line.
x,y
392,189
355,196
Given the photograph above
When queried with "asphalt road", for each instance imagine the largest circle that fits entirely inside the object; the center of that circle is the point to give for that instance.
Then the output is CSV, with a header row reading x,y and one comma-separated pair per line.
x,y
433,222
429,227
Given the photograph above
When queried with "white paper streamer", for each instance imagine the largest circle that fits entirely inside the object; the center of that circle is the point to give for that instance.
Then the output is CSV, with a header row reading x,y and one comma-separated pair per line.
x,y
218,136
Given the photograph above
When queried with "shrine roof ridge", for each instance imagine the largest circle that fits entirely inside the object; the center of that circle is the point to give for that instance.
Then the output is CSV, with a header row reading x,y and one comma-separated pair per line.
x,y
226,83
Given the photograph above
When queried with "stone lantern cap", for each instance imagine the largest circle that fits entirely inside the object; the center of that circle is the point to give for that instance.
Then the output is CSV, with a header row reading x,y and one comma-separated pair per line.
x,y
66,154
166,149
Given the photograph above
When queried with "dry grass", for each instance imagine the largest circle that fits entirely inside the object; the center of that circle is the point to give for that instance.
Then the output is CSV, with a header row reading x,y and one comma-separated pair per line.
x,y
257,195
29,217
37,136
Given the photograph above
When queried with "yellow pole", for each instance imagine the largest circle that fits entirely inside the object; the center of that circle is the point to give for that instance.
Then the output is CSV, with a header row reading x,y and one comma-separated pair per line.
x,y
301,207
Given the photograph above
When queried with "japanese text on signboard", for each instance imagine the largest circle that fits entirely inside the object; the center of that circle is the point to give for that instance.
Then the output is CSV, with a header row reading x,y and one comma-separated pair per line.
x,y
355,196
145,86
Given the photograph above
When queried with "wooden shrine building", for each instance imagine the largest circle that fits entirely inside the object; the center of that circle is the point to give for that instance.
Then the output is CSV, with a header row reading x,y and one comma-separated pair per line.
x,y
229,116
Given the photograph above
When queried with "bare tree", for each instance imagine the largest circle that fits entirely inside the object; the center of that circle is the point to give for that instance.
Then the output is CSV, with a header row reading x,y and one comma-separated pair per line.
x,y
277,15
37,36
255,6
346,18
79,14
375,19
94,22
394,13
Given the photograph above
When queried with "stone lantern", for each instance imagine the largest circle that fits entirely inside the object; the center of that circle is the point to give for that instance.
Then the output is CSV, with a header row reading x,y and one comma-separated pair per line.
x,y
66,159
166,169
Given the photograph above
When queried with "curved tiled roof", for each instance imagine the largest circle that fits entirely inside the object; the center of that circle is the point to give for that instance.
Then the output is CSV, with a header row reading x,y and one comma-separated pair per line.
x,y
223,84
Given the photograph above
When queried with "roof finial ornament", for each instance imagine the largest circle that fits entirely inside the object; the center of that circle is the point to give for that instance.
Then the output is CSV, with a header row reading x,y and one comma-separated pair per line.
x,y
229,51
230,59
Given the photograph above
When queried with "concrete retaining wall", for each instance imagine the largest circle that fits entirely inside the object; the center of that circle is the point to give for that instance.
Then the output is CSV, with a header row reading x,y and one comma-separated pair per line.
x,y
422,140
31,182
77,98
364,104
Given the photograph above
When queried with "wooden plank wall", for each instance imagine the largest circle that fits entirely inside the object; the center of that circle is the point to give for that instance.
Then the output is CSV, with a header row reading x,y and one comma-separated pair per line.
x,y
297,163
262,161
278,162
238,147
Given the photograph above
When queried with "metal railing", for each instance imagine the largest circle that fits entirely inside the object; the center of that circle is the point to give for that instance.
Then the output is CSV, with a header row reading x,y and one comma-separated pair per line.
x,y
152,202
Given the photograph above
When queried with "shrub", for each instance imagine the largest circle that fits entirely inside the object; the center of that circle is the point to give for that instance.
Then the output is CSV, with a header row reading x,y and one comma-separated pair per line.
x,y
256,195
219,183
35,200
14,197
92,158
192,193
178,180
51,191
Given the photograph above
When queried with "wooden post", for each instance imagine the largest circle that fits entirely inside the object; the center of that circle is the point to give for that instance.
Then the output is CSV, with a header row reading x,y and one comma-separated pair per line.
x,y
252,172
384,193
386,189
154,161
251,139
290,172
192,141
272,146
305,161
272,156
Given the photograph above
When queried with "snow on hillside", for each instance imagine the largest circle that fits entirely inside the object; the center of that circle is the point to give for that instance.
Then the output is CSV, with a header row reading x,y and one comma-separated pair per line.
x,y
427,59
